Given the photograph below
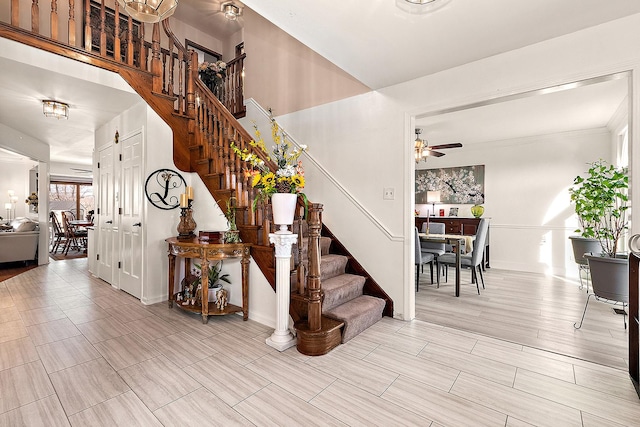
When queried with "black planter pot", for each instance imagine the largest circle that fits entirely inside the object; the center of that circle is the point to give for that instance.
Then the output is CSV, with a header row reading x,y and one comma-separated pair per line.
x,y
582,245
610,277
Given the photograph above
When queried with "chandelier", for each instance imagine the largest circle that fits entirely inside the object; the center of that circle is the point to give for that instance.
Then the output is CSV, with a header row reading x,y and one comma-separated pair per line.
x,y
56,109
150,11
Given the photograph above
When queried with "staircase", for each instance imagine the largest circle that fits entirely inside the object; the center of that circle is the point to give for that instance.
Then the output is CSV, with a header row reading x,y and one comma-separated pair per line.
x,y
333,298
344,298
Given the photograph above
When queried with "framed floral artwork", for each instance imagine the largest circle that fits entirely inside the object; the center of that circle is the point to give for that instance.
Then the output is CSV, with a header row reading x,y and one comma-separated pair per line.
x,y
458,185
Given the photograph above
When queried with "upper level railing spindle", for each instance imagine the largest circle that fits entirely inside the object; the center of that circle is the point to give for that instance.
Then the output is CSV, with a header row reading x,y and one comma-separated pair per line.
x,y
35,17
130,41
72,23
54,19
87,25
116,36
103,35
15,13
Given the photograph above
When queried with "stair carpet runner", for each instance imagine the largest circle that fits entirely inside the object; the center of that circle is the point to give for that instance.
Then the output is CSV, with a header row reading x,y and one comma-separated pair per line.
x,y
343,294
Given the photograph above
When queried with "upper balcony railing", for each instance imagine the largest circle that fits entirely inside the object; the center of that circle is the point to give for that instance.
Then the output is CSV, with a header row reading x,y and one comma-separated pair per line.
x,y
112,35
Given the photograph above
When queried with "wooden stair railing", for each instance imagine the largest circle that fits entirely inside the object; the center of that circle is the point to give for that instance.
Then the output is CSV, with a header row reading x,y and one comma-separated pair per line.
x,y
203,128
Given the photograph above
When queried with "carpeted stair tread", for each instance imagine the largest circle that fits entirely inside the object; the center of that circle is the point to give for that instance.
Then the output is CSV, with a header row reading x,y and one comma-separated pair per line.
x,y
357,314
332,265
341,289
325,243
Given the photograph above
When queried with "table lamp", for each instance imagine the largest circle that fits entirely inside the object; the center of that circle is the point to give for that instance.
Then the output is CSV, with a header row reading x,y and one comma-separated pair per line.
x,y
433,197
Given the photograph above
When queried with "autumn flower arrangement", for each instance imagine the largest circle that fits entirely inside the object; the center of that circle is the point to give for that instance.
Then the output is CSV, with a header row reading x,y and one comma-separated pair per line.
x,y
212,73
288,178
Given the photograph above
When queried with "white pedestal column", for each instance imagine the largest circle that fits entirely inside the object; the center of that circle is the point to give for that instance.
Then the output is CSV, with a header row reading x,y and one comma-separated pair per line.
x,y
282,339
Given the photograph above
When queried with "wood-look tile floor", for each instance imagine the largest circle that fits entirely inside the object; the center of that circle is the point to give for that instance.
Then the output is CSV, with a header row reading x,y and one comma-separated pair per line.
x,y
529,309
91,364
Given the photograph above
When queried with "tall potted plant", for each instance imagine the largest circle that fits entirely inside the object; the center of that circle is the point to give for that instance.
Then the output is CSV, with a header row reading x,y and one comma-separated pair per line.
x,y
601,204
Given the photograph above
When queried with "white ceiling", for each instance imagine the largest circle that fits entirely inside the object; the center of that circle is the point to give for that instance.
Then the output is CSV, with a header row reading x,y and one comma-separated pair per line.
x,y
585,107
374,40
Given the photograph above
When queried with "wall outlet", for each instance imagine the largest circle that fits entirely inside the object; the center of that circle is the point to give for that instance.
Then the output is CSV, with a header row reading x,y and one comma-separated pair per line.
x,y
388,193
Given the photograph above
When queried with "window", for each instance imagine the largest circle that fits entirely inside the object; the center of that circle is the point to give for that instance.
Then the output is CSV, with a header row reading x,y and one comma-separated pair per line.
x,y
73,197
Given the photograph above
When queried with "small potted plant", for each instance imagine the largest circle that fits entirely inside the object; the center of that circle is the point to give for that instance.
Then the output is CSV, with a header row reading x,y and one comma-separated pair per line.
x,y
601,204
215,278
233,234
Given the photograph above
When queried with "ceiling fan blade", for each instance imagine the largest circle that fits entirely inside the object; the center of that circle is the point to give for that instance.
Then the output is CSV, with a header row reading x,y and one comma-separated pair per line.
x,y
443,146
435,153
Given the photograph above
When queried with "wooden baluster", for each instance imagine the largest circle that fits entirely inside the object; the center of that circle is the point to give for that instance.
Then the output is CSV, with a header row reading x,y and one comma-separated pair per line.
x,y
156,65
54,19
116,35
15,13
171,67
142,57
164,71
35,17
130,41
183,79
87,25
313,285
72,23
103,35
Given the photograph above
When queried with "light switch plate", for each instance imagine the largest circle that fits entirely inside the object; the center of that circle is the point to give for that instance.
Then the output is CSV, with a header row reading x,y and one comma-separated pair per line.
x,y
388,193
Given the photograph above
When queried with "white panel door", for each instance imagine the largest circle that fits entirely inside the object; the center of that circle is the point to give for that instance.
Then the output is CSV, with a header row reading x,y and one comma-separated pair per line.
x,y
131,187
106,235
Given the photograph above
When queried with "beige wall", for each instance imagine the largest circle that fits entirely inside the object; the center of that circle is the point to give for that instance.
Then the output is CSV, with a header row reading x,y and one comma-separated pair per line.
x,y
285,75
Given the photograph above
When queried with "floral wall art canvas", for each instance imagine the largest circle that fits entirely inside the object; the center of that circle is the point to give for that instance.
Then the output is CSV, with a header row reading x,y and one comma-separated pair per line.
x,y
459,185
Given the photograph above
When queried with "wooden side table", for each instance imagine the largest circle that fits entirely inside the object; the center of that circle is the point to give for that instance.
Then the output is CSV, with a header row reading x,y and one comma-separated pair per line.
x,y
207,252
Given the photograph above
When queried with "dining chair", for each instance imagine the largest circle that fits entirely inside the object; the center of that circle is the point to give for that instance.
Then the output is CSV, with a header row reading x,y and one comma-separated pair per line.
x,y
58,238
74,237
422,259
436,249
474,259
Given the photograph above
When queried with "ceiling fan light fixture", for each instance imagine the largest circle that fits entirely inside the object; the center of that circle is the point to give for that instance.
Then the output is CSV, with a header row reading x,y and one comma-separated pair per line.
x,y
149,11
231,11
56,109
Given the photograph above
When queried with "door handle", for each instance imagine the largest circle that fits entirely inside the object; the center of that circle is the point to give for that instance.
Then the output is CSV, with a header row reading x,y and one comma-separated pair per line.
x,y
137,224
108,222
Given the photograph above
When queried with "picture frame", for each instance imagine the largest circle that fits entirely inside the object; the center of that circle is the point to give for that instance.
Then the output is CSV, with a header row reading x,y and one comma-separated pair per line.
x,y
453,211
457,185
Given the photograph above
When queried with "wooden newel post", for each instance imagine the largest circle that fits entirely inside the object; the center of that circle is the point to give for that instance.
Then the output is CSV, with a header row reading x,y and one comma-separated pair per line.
x,y
313,284
192,74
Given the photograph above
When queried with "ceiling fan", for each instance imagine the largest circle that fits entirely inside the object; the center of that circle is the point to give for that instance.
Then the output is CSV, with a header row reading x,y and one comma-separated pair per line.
x,y
79,170
423,150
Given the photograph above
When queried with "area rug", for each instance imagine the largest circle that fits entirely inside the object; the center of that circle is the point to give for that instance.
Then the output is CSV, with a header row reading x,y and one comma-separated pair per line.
x,y
11,269
69,255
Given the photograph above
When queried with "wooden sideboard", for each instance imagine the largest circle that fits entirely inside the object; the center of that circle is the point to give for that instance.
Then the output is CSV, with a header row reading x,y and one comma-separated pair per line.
x,y
206,252
458,225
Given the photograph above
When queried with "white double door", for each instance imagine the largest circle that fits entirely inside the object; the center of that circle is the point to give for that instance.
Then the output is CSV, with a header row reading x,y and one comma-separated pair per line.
x,y
120,228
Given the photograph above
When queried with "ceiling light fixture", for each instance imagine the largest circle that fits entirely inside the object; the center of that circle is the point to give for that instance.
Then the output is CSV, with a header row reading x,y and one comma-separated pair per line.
x,y
420,147
56,109
150,11
231,11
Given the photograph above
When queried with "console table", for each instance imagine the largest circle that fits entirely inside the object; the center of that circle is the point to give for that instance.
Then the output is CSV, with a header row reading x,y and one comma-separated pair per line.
x,y
206,252
459,225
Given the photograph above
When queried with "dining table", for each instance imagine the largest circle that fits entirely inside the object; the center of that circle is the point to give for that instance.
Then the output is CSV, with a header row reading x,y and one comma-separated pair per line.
x,y
457,241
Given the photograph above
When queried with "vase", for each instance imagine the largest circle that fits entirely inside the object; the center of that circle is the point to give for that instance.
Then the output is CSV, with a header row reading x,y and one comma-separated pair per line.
x,y
283,207
477,210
